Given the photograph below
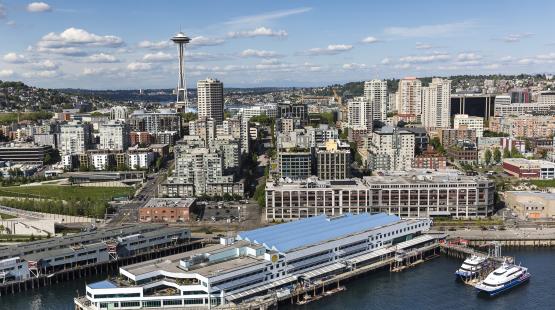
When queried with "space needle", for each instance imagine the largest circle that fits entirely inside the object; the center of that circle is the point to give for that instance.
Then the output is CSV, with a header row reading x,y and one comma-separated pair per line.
x,y
182,101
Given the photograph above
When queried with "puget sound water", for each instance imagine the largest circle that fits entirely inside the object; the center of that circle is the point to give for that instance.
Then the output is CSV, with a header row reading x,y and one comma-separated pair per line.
x,y
430,285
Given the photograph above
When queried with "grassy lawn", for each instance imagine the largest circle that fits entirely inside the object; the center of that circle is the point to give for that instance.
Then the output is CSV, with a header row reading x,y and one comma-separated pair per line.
x,y
66,192
543,183
477,222
5,216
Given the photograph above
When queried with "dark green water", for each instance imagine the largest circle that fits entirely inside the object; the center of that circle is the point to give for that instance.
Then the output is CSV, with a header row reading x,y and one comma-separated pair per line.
x,y
431,285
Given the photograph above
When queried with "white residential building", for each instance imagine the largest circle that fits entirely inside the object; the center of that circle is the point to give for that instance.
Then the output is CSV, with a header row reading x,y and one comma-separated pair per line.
x,y
360,113
114,135
436,104
390,149
140,160
409,97
546,97
210,93
119,113
376,92
75,138
471,122
502,99
101,161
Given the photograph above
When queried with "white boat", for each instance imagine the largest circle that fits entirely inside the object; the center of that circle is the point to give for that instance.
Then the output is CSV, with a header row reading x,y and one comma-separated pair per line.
x,y
503,278
471,266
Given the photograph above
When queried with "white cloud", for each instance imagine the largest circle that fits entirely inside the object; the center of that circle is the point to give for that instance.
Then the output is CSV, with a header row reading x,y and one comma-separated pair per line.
x,y
385,61
516,37
370,40
10,23
37,7
429,30
4,73
550,56
155,45
78,37
423,46
42,74
402,66
14,58
354,66
139,66
98,71
67,51
260,18
331,49
468,56
201,56
46,64
507,58
3,11
258,32
158,57
435,57
492,66
101,58
206,41
258,53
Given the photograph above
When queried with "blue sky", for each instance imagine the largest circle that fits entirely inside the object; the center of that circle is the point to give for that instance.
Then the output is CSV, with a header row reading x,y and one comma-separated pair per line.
x,y
125,44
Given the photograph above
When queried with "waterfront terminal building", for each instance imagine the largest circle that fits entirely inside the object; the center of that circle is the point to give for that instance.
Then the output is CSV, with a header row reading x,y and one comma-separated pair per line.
x,y
47,257
408,195
257,262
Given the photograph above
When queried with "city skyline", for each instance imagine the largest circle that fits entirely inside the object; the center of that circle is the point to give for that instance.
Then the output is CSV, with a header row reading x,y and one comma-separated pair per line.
x,y
103,45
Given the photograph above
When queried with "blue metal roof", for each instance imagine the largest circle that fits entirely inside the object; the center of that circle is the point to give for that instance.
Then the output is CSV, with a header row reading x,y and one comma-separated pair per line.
x,y
102,284
313,230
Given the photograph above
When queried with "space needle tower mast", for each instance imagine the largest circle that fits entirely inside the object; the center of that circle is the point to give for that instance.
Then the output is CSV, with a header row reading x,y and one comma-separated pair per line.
x,y
182,101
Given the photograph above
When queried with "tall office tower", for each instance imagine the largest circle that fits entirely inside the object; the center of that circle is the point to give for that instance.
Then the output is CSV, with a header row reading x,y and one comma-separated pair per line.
x,y
181,101
436,104
114,135
376,92
360,113
409,96
210,93
75,138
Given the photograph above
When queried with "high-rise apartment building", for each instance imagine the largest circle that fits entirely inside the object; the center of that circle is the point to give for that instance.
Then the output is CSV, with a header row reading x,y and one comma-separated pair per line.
x,y
156,122
360,113
210,93
376,92
436,104
75,138
114,135
409,96
391,149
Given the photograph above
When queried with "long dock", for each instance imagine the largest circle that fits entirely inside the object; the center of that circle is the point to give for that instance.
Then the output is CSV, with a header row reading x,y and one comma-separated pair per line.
x,y
103,268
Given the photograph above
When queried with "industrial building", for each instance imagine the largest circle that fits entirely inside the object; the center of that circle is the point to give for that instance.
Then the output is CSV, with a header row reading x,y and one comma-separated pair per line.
x,y
254,263
169,210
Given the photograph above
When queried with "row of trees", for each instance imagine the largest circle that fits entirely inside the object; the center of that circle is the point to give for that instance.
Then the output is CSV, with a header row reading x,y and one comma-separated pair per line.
x,y
84,207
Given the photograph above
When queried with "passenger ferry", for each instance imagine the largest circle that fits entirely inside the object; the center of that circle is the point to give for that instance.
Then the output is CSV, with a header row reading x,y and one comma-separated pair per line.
x,y
471,267
503,278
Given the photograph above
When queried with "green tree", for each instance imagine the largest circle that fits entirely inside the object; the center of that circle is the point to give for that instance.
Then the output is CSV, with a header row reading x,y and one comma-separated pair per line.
x,y
487,157
496,155
506,153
